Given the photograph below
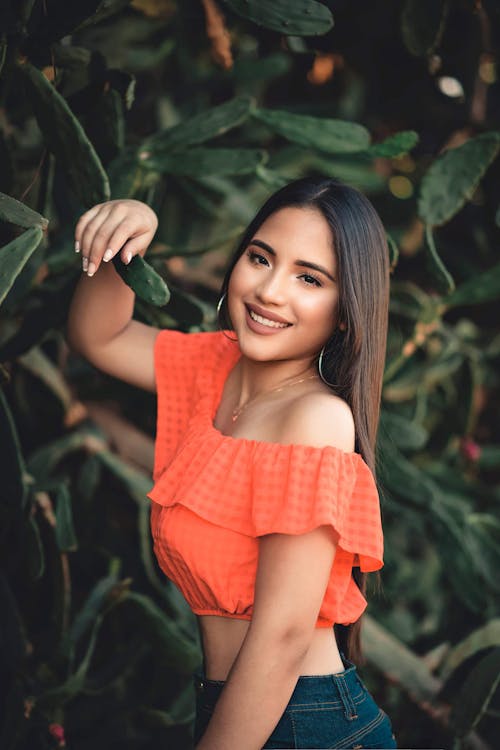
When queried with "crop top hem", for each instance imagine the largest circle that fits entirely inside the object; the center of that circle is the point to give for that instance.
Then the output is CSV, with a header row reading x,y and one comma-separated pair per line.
x,y
321,622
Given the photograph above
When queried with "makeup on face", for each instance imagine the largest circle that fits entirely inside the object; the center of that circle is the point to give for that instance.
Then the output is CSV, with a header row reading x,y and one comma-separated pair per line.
x,y
283,288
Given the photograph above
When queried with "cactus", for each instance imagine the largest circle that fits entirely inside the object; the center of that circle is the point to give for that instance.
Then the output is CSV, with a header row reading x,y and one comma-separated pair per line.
x,y
196,162
453,177
208,124
482,287
14,256
114,668
66,138
143,279
321,133
394,146
18,213
300,18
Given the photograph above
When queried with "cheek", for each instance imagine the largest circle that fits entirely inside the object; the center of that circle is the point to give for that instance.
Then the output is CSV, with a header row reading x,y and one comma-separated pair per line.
x,y
320,309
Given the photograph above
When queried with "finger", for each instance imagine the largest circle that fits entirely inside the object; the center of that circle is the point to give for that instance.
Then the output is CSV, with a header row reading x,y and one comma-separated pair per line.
x,y
82,223
88,237
131,248
100,242
124,233
96,237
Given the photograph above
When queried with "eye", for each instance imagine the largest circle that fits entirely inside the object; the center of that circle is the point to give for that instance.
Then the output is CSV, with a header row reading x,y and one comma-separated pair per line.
x,y
253,256
310,280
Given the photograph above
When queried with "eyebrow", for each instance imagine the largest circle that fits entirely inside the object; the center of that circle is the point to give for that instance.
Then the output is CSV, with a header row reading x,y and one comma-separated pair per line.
x,y
304,263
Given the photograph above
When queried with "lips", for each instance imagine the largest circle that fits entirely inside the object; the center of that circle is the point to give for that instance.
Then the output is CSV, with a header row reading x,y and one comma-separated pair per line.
x,y
267,315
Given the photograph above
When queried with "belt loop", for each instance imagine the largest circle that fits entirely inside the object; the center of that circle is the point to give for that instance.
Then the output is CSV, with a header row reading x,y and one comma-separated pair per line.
x,y
345,696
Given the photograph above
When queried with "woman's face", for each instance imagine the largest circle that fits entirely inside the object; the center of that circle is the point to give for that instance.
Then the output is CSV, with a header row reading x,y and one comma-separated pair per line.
x,y
287,277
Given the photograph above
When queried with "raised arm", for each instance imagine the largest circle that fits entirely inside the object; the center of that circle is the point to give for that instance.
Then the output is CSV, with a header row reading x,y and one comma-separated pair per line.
x,y
100,324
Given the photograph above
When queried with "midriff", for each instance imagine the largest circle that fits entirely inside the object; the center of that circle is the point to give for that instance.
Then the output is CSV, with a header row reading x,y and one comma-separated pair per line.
x,y
223,637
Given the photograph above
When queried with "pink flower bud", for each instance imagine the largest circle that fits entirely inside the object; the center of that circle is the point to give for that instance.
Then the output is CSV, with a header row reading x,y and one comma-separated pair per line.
x,y
470,449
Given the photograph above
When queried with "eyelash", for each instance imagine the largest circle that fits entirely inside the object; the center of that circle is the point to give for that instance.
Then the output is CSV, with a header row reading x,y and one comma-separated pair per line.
x,y
251,255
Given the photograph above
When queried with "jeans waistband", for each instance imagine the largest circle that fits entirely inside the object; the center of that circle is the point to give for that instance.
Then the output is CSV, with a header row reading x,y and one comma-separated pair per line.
x,y
341,686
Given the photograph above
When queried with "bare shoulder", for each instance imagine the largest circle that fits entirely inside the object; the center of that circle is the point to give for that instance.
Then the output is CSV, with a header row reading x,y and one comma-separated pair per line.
x,y
320,419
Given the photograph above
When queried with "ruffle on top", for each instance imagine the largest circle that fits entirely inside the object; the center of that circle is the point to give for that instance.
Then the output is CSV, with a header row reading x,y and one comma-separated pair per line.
x,y
249,486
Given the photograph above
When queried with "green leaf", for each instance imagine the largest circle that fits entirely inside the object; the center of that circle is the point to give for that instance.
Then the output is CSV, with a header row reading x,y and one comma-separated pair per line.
x,y
45,459
65,532
200,128
136,482
300,18
398,662
394,146
256,71
14,256
171,647
37,362
18,213
453,177
393,250
438,269
143,279
66,138
197,162
15,478
60,695
484,637
104,591
476,693
35,556
484,287
410,434
357,174
180,711
320,133
422,25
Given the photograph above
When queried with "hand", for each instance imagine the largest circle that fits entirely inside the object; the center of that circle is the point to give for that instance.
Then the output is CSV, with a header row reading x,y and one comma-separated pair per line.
x,y
120,226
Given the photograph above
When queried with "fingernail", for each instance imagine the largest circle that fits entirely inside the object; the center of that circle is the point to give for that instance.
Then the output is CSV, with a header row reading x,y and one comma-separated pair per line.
x,y
91,270
107,255
85,262
77,247
128,256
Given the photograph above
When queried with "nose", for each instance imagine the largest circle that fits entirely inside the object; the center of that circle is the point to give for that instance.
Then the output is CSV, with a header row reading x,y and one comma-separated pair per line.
x,y
272,289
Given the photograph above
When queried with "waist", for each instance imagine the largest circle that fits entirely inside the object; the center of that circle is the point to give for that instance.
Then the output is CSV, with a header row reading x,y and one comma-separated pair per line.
x,y
222,638
309,688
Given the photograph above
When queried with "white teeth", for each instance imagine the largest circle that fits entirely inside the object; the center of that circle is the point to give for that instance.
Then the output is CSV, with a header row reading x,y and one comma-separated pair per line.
x,y
266,321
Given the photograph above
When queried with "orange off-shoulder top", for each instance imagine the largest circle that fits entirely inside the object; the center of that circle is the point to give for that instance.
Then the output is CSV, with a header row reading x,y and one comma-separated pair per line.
x,y
214,495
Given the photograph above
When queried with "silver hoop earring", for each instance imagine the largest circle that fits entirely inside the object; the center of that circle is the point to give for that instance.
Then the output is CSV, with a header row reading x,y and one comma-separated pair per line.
x,y
320,371
320,362
219,303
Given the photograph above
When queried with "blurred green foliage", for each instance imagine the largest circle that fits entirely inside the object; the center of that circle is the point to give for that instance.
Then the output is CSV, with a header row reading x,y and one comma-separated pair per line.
x,y
136,99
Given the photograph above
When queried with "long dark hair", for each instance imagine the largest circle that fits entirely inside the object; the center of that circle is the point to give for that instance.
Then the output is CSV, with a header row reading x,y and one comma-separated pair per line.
x,y
353,359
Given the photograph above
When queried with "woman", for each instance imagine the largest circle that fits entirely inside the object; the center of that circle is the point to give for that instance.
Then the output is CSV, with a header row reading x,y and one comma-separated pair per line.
x,y
265,511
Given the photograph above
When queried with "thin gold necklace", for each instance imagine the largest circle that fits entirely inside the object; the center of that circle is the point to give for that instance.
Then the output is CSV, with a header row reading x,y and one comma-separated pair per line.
x,y
239,409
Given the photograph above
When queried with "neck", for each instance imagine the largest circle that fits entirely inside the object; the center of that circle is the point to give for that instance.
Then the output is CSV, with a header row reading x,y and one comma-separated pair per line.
x,y
253,378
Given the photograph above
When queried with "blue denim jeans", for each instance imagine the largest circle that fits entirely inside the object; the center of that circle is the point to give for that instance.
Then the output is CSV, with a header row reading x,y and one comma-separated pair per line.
x,y
324,711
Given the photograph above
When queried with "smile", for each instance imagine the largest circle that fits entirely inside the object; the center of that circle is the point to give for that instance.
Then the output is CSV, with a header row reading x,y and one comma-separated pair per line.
x,y
266,321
